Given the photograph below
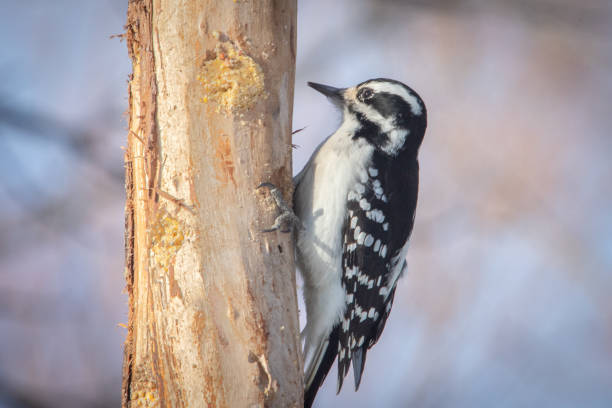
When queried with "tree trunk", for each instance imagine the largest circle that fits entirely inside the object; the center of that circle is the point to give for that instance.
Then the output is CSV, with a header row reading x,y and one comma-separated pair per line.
x,y
212,303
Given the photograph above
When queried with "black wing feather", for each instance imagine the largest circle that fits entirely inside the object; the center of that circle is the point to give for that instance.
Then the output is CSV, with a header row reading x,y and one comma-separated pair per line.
x,y
353,336
379,220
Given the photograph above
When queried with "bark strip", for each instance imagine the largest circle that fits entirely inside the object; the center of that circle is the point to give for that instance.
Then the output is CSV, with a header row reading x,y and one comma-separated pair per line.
x,y
212,303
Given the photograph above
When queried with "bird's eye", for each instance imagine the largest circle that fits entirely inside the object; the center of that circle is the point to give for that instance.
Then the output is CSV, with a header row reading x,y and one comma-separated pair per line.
x,y
364,94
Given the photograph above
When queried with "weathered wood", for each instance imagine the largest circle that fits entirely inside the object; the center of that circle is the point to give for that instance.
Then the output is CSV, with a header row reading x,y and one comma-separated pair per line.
x,y
212,303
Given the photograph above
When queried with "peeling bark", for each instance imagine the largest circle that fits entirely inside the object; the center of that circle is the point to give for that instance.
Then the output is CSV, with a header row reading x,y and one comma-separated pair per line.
x,y
212,303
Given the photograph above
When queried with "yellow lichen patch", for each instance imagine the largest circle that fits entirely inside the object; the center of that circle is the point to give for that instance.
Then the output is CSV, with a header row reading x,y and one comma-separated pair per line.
x,y
166,238
233,80
144,398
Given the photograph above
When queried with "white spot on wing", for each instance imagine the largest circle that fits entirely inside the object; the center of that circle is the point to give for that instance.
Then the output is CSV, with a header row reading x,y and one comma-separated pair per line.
x,y
377,245
350,272
353,196
361,238
376,215
345,324
356,233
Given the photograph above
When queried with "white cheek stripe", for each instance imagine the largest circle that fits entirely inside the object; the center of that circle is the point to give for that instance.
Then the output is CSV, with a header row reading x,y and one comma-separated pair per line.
x,y
400,91
371,114
396,136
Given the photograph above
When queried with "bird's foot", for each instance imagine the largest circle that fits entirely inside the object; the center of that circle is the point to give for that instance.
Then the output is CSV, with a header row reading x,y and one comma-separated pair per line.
x,y
287,219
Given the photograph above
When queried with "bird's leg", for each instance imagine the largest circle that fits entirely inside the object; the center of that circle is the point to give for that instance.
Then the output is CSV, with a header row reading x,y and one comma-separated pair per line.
x,y
287,218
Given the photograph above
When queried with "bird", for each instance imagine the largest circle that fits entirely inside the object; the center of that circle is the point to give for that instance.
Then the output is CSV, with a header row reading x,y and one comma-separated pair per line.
x,y
354,205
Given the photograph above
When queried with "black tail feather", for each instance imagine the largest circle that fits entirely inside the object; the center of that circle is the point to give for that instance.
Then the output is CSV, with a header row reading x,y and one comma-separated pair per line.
x,y
359,358
342,369
326,363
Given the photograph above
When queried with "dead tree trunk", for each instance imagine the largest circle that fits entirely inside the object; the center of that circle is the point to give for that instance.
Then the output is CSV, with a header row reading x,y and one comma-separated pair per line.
x,y
212,304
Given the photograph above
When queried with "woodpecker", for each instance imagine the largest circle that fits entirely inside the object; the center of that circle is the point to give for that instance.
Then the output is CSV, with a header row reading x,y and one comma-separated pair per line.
x,y
355,202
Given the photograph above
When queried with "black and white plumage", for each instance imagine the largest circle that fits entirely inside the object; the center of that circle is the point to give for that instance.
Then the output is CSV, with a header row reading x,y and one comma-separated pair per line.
x,y
356,199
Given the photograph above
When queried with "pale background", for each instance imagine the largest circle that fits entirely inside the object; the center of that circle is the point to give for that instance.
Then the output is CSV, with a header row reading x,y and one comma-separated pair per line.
x,y
508,299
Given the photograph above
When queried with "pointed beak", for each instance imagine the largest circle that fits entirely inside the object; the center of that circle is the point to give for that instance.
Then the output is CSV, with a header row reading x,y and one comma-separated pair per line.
x,y
335,94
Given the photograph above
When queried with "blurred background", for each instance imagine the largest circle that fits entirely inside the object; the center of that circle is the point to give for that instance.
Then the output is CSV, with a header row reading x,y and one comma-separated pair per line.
x,y
508,299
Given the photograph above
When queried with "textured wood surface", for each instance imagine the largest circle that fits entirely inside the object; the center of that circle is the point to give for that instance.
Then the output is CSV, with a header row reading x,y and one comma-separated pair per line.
x,y
213,314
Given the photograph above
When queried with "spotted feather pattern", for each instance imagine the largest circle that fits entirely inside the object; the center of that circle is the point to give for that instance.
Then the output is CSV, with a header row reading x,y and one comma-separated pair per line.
x,y
357,199
379,219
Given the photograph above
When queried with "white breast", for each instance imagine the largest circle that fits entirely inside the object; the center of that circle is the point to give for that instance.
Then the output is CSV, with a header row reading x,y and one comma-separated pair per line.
x,y
320,203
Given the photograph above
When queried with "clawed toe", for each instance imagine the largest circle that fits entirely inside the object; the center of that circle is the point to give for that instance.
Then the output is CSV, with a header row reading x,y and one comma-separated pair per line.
x,y
287,218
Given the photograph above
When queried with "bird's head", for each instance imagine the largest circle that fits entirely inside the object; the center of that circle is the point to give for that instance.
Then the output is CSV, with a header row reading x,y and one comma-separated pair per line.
x,y
389,115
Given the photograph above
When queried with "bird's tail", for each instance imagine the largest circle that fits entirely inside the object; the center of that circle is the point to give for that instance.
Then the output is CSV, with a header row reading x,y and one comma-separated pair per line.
x,y
319,365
